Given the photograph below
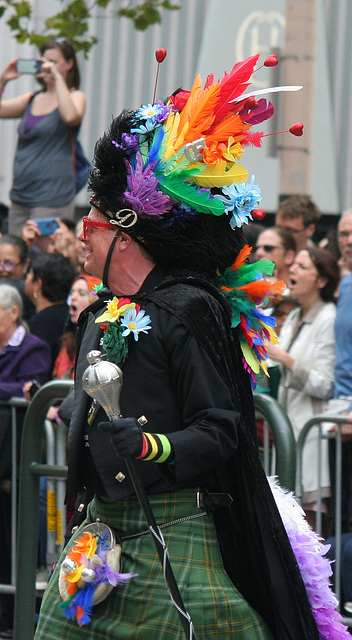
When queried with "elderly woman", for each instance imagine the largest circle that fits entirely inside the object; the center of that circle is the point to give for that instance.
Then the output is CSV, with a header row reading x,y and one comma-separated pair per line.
x,y
22,357
306,356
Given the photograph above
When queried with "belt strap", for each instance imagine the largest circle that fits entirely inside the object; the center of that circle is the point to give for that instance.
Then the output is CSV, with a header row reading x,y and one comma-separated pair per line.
x,y
212,501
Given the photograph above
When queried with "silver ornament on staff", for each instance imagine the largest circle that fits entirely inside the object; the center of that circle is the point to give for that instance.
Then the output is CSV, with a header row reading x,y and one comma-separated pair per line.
x,y
102,381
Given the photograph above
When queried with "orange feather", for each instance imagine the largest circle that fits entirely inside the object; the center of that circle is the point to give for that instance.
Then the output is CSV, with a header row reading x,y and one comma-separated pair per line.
x,y
242,257
202,115
262,288
231,126
193,97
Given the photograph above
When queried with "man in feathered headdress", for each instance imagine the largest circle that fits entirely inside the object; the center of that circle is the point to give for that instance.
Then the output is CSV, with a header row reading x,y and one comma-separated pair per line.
x,y
179,316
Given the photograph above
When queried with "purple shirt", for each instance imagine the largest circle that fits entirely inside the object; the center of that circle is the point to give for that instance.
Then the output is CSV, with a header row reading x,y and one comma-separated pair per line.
x,y
22,360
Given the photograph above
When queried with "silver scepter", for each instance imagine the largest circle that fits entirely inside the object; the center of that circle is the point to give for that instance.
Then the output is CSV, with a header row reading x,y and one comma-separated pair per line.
x,y
102,381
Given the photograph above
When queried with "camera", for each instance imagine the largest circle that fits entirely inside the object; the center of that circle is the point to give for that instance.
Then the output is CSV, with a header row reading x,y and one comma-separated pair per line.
x,y
28,65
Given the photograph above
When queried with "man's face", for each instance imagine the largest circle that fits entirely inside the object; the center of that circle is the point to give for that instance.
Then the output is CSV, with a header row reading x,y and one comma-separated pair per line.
x,y
97,243
270,247
297,228
344,231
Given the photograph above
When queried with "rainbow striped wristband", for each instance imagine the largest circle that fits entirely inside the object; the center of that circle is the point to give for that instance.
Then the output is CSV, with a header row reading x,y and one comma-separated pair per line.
x,y
156,447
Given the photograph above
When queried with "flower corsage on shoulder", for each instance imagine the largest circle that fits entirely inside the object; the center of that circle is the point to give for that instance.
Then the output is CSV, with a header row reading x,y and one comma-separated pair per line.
x,y
122,318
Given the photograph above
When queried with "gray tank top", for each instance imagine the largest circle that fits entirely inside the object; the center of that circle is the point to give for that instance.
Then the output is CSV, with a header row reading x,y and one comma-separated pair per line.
x,y
43,170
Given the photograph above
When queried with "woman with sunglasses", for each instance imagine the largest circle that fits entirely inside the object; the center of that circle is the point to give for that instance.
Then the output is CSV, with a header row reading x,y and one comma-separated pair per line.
x,y
14,265
44,181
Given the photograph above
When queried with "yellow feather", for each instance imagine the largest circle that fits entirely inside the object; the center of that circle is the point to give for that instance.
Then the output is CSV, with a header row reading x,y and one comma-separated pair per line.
x,y
216,176
264,367
273,335
171,126
249,357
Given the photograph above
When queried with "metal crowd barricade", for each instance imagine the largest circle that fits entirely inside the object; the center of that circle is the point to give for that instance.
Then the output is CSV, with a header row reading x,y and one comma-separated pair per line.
x,y
318,421
31,469
277,421
14,404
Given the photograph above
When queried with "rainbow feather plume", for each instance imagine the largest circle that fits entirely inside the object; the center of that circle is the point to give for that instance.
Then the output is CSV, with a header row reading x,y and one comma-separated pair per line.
x,y
246,290
194,143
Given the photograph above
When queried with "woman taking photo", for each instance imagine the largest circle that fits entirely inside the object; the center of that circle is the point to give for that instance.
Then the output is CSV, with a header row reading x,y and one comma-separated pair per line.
x,y
43,180
306,355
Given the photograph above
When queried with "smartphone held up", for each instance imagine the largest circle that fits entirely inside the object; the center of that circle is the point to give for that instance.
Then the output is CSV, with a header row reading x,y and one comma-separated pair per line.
x,y
46,226
31,66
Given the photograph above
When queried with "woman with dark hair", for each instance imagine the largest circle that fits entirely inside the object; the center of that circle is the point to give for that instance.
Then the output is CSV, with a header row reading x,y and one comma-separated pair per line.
x,y
44,183
48,285
306,355
14,264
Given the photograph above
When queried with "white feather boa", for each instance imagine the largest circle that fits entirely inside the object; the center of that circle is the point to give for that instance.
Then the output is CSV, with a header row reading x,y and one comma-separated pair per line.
x,y
315,568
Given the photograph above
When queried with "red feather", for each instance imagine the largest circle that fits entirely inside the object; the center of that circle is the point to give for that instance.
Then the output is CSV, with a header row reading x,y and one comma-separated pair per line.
x,y
209,80
233,85
254,138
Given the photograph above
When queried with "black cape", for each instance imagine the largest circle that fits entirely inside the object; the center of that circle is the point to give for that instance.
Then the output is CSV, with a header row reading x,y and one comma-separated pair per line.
x,y
256,552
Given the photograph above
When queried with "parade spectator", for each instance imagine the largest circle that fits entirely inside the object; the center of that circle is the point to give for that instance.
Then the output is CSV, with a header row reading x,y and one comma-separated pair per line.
x,y
306,355
48,284
22,357
44,181
14,264
300,216
279,245
81,296
64,239
343,371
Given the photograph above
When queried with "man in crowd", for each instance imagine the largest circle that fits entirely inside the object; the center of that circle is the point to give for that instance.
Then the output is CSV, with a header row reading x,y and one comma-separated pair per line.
x,y
343,369
299,215
279,245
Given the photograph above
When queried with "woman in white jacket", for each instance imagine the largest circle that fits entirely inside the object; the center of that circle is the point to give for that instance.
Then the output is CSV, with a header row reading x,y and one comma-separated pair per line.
x,y
306,356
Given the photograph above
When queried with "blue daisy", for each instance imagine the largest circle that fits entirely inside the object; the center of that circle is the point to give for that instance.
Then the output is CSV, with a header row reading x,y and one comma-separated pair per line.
x,y
135,323
143,129
240,199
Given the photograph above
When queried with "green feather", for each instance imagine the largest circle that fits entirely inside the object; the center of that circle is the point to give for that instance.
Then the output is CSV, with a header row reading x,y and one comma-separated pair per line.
x,y
189,194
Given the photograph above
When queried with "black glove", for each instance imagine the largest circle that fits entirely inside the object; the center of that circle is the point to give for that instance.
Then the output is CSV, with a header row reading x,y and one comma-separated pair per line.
x,y
126,436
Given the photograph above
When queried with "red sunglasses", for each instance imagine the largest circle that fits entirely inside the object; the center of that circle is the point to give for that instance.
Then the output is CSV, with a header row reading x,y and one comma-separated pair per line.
x,y
92,223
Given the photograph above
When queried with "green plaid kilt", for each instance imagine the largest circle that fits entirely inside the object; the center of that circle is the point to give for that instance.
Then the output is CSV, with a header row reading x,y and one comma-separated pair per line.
x,y
142,609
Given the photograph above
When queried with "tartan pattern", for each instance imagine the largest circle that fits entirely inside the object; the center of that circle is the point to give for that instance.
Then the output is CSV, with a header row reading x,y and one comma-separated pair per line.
x,y
142,609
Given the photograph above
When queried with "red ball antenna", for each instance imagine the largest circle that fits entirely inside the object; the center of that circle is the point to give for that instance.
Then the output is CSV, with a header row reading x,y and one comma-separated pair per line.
x,y
258,214
270,61
160,55
296,130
